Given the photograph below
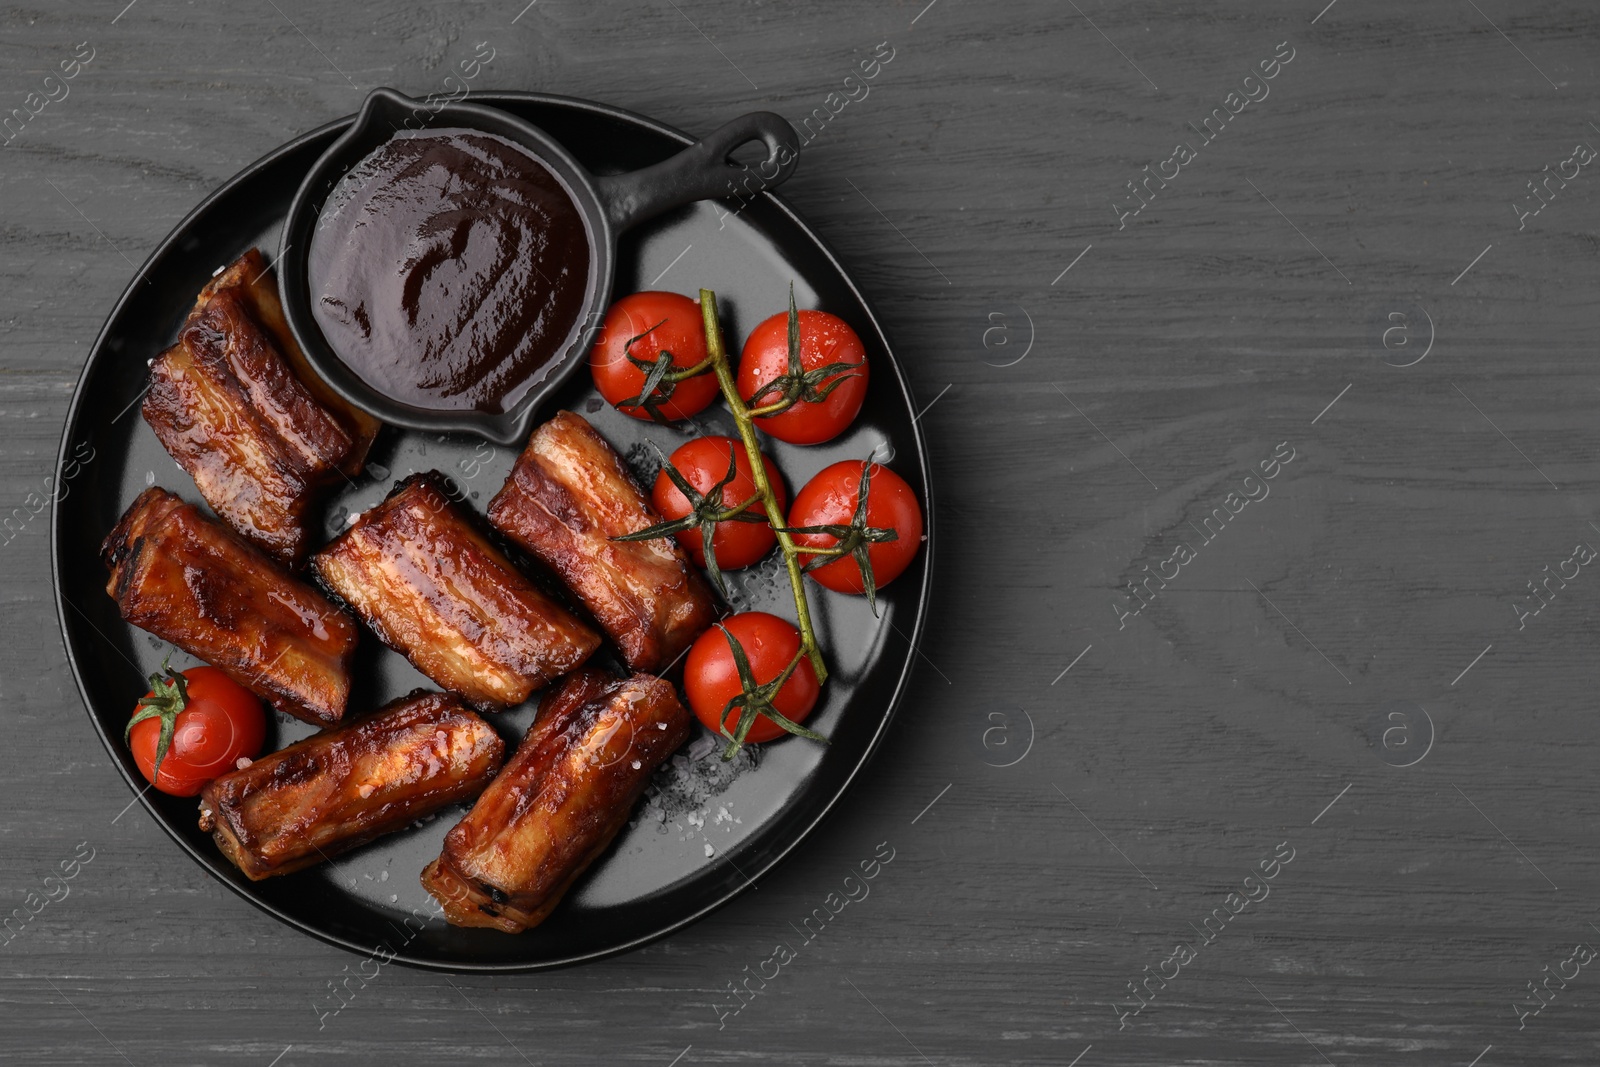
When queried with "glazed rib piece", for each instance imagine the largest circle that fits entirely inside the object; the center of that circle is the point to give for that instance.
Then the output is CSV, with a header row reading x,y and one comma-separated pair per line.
x,y
559,802
567,496
434,589
257,288
189,580
229,405
342,788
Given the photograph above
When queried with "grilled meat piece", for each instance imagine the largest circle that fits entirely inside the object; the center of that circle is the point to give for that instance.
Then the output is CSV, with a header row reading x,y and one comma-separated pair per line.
x,y
433,588
567,496
203,405
189,580
342,788
257,287
559,802
233,410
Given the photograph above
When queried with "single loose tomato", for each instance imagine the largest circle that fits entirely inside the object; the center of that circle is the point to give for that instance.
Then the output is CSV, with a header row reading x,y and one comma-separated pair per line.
x,y
637,330
703,462
831,500
827,386
711,676
195,726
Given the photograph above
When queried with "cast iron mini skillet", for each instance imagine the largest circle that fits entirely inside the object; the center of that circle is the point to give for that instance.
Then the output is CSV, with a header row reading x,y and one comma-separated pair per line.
x,y
608,206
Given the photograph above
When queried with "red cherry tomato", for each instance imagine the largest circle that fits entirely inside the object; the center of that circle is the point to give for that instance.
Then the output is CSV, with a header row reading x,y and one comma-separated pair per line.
x,y
824,339
830,498
711,679
643,326
704,462
215,721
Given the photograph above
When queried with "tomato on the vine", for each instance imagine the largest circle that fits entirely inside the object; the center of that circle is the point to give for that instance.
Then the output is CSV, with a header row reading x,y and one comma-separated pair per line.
x,y
704,463
713,680
879,540
827,384
193,727
647,338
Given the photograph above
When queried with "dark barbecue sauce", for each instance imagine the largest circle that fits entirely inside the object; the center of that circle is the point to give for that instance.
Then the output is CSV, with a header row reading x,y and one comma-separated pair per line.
x,y
448,268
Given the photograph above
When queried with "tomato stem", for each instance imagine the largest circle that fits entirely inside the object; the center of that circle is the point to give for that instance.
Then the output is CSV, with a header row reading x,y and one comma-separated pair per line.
x,y
684,375
168,697
755,498
742,415
834,551
774,408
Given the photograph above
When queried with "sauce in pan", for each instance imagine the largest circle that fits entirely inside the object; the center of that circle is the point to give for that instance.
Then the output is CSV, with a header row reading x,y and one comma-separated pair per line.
x,y
448,268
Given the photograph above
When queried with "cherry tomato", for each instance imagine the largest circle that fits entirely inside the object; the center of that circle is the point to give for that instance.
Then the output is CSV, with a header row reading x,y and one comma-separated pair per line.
x,y
704,462
215,721
711,678
830,499
643,325
824,340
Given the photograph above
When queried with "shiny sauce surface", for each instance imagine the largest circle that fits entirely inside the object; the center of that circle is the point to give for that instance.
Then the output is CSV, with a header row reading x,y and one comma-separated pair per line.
x,y
448,268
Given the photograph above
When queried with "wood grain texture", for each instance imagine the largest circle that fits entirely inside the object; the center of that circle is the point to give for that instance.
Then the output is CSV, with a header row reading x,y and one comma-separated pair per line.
x,y
1176,353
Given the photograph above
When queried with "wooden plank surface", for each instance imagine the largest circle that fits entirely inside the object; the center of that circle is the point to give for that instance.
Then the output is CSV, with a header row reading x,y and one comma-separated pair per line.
x,y
1099,384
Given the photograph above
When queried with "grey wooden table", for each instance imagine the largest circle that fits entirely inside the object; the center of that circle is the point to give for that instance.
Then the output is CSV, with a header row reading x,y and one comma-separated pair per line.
x,y
1306,359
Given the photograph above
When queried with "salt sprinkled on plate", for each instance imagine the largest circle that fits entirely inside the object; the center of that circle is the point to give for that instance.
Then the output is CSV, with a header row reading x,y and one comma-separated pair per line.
x,y
678,796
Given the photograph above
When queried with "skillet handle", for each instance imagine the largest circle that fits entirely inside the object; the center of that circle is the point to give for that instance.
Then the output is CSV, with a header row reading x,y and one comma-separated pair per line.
x,y
703,171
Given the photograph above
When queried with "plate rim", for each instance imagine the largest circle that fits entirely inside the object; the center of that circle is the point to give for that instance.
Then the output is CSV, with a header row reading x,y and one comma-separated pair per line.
x,y
210,863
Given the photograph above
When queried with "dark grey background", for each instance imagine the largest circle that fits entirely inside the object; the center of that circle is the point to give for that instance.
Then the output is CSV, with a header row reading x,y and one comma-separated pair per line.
x,y
1247,706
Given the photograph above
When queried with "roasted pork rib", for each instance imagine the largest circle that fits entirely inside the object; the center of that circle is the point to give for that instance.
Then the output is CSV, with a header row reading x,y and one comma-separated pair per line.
x,y
434,589
257,287
342,788
567,496
236,405
562,797
189,580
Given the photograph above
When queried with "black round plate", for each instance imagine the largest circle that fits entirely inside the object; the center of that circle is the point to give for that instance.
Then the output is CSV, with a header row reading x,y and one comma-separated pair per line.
x,y
690,849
